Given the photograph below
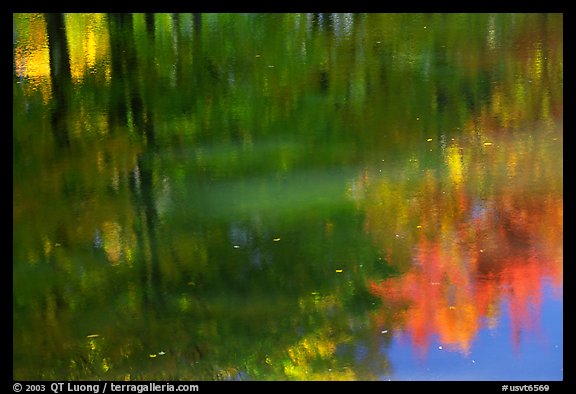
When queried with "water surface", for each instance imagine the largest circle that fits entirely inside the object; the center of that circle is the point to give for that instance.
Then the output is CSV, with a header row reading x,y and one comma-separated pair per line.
x,y
288,197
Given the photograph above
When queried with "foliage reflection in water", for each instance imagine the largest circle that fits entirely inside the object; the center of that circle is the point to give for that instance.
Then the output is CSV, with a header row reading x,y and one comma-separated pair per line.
x,y
287,196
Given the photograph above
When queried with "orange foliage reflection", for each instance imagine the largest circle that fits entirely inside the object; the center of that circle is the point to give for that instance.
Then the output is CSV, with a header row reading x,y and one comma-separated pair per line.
x,y
471,239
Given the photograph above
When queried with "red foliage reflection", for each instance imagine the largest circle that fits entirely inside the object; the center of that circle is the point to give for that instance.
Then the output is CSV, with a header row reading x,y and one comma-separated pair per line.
x,y
471,256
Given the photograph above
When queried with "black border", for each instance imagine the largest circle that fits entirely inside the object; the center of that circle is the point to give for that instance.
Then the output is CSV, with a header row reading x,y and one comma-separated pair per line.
x,y
373,6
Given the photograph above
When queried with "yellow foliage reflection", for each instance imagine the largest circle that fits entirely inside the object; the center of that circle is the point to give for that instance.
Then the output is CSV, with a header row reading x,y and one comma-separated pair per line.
x,y
89,45
118,243
31,54
310,348
88,50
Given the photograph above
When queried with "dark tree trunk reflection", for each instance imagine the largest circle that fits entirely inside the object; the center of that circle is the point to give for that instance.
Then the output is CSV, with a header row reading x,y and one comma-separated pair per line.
x,y
127,100
60,76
